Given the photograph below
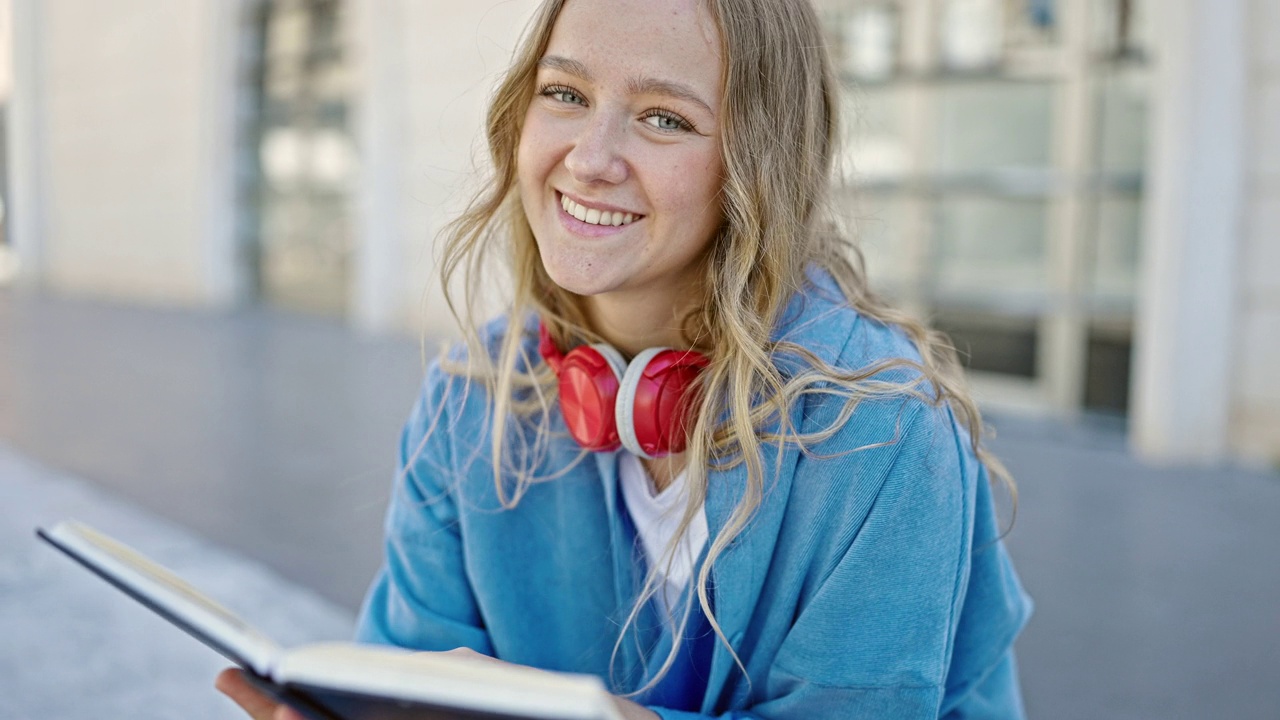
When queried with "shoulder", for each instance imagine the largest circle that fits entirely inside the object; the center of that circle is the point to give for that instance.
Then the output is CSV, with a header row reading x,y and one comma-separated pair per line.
x,y
862,356
453,394
821,320
488,339
459,359
453,413
878,425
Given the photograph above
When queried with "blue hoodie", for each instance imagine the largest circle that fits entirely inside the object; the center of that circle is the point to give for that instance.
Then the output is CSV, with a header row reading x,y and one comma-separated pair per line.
x,y
870,583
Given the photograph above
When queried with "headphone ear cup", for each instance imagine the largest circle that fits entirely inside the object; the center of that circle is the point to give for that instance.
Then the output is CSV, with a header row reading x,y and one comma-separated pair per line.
x,y
652,406
589,379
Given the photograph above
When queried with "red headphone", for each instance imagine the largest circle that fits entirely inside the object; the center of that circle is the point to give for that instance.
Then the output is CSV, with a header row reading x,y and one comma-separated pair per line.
x,y
608,403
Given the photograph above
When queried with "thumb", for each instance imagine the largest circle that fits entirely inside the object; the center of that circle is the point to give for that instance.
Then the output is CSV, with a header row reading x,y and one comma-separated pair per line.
x,y
231,683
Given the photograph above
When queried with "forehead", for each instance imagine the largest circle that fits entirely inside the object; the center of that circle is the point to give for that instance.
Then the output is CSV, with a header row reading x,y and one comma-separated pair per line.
x,y
669,40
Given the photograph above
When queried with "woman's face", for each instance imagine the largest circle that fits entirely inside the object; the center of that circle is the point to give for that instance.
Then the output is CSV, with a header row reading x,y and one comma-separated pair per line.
x,y
619,161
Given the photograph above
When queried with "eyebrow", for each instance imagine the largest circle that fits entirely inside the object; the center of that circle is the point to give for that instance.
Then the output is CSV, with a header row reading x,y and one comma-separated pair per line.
x,y
635,86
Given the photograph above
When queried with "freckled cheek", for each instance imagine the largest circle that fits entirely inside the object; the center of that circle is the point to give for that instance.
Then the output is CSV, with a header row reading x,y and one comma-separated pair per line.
x,y
526,169
538,149
695,179
692,191
531,161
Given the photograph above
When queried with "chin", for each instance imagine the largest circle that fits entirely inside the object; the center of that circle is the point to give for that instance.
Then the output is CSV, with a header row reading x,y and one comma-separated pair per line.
x,y
579,283
578,275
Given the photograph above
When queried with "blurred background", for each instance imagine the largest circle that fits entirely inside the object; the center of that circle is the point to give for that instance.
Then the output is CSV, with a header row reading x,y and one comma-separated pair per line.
x,y
216,265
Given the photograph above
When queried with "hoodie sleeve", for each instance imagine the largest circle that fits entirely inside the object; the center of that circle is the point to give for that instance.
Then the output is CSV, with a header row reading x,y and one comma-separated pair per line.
x,y
421,597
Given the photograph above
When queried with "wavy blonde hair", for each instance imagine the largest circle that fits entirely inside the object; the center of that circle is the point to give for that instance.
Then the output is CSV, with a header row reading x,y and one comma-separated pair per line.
x,y
776,186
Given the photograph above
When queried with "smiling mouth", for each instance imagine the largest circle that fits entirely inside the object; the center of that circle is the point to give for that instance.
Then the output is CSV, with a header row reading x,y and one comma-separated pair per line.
x,y
593,216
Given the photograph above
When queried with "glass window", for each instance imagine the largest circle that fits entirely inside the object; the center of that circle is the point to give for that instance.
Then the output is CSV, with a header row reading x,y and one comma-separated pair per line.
x,y
303,156
1107,367
878,225
971,35
985,138
876,148
1116,242
988,126
993,343
990,250
1122,121
1121,28
866,39
1032,23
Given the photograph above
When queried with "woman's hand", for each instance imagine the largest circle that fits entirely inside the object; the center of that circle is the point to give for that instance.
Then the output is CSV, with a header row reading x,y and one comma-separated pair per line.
x,y
632,711
231,683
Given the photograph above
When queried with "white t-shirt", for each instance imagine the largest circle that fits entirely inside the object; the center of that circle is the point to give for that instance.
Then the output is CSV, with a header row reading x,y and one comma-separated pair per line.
x,y
656,517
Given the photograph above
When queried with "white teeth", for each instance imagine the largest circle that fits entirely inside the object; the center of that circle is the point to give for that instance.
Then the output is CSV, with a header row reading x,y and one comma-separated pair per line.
x,y
593,216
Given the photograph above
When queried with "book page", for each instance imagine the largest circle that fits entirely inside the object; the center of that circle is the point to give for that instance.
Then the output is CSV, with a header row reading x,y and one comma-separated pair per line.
x,y
166,594
438,680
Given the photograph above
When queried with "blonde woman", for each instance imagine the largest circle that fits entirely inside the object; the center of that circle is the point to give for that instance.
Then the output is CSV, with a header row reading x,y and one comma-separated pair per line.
x,y
696,457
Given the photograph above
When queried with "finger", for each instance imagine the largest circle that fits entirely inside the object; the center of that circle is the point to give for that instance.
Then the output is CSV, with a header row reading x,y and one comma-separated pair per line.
x,y
284,712
231,683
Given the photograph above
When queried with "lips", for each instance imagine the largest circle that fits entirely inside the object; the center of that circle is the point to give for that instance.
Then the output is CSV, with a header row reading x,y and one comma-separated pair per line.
x,y
596,215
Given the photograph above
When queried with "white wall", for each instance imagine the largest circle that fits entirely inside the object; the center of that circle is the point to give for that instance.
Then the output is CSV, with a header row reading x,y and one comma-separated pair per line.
x,y
1206,378
428,70
6,46
1189,299
1255,421
136,139
126,176
25,151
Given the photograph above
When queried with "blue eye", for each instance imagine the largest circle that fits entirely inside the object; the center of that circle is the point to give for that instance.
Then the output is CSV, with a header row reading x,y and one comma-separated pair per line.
x,y
560,93
667,121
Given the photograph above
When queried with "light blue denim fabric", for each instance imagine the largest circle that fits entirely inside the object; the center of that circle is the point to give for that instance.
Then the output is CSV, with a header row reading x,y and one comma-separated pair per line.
x,y
871,582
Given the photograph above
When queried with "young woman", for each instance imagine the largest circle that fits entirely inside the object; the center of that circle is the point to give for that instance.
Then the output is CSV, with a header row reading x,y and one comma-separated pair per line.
x,y
787,512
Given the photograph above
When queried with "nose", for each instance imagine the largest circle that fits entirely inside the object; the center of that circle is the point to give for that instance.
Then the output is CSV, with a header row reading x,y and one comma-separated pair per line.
x,y
597,153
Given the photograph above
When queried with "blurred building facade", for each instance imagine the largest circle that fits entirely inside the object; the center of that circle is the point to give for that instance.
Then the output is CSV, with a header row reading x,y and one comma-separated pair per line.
x,y
1085,193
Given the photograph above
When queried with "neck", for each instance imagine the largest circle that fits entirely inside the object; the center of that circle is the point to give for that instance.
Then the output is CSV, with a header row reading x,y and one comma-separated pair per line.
x,y
632,322
664,469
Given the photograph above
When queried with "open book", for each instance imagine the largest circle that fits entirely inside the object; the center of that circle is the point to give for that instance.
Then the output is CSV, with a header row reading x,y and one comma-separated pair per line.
x,y
340,681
